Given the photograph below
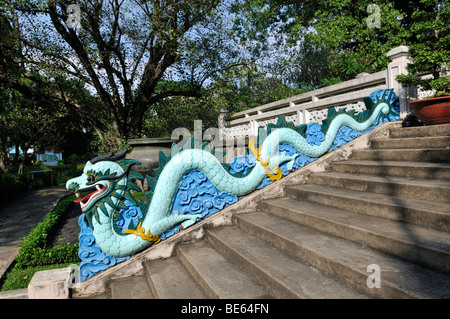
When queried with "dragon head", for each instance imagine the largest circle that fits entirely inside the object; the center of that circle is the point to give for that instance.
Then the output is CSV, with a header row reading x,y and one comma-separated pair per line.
x,y
108,179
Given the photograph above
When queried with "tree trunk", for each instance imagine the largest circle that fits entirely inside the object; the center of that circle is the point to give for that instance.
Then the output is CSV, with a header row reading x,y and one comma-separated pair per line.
x,y
3,166
22,162
135,126
21,167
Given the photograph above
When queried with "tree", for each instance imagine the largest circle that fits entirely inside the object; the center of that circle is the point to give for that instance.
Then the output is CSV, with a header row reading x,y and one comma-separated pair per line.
x,y
249,85
179,112
27,123
29,119
120,48
18,73
430,47
23,123
328,41
5,128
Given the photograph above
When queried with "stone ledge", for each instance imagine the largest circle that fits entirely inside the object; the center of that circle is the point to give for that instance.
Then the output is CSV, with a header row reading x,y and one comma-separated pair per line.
x,y
14,294
51,284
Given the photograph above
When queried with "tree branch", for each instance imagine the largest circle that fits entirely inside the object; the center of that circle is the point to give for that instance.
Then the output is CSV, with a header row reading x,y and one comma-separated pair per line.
x,y
72,39
190,92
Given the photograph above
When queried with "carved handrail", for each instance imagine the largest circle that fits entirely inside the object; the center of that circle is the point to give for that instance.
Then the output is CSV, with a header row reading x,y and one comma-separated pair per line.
x,y
191,183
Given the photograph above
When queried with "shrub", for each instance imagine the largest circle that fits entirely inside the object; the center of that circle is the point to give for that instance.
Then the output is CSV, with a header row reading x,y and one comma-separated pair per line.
x,y
33,249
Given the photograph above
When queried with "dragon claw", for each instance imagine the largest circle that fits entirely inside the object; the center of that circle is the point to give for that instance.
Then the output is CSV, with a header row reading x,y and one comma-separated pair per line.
x,y
140,231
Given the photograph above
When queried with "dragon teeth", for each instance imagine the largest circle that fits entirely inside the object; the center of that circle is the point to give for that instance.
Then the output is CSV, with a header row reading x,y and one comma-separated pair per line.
x,y
78,194
98,187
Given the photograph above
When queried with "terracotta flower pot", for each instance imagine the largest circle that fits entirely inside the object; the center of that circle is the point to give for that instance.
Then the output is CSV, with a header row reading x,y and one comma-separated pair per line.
x,y
432,111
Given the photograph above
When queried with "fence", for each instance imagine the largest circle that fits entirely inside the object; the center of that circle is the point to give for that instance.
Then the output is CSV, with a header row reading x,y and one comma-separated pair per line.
x,y
313,106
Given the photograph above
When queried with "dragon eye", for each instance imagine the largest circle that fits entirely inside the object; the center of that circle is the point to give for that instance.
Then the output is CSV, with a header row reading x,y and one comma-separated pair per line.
x,y
90,178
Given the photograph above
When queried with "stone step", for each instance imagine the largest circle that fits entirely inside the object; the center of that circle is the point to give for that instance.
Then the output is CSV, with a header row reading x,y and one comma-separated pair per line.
x,y
131,287
411,142
410,155
394,168
421,245
386,208
283,276
420,131
218,277
14,294
350,263
168,279
423,213
424,189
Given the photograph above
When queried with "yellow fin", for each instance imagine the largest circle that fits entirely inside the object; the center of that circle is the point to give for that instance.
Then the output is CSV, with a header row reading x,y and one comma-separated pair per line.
x,y
276,173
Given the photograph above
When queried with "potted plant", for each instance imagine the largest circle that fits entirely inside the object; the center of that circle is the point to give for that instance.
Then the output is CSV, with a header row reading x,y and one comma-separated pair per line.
x,y
430,54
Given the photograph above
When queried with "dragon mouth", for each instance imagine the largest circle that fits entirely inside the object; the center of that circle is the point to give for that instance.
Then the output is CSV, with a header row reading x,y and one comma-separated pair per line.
x,y
86,200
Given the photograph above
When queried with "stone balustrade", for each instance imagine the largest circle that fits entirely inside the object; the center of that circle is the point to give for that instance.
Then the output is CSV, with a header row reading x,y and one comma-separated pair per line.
x,y
313,106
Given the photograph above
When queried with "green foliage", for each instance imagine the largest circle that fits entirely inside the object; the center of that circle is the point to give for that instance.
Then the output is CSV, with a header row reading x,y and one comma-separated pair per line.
x,y
324,42
64,172
121,50
30,122
176,112
237,89
430,47
109,142
249,85
34,250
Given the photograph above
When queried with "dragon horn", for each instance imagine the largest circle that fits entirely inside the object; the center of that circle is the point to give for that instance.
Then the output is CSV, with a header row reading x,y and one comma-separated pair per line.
x,y
109,157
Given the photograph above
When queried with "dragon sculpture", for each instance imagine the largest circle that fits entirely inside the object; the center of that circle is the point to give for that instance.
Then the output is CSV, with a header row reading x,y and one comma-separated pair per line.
x,y
109,178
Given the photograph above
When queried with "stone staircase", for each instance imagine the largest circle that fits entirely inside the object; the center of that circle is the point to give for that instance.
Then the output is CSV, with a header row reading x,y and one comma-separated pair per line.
x,y
385,211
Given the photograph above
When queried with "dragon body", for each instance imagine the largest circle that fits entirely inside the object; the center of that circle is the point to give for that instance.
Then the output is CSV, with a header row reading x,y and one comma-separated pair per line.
x,y
110,180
